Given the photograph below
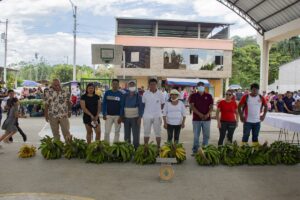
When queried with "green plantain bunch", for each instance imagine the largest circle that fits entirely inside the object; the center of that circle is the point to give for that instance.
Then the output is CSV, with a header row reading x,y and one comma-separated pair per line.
x,y
232,154
121,152
208,155
285,153
51,148
97,152
75,148
256,155
146,154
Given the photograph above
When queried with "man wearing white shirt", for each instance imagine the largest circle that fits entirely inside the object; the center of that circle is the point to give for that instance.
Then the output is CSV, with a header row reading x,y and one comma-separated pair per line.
x,y
154,101
252,110
165,93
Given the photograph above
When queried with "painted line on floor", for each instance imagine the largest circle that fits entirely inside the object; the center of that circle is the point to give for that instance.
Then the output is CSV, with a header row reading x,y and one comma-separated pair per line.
x,y
44,127
56,195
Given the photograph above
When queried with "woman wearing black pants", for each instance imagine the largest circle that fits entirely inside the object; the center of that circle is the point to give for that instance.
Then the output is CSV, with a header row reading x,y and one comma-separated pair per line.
x,y
228,121
174,116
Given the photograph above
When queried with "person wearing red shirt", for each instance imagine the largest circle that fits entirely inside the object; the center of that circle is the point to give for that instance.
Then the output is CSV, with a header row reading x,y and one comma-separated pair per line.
x,y
252,111
74,102
228,121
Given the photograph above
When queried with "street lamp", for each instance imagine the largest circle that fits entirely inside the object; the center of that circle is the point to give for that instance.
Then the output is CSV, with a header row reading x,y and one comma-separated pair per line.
x,y
74,9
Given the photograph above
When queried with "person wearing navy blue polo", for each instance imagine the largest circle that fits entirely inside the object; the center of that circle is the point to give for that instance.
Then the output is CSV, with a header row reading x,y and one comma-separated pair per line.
x,y
111,110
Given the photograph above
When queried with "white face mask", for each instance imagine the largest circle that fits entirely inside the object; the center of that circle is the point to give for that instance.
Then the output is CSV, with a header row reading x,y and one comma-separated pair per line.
x,y
174,99
201,88
132,89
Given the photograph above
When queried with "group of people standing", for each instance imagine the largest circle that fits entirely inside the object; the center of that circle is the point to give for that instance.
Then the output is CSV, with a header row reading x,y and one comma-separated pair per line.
x,y
250,110
131,108
118,107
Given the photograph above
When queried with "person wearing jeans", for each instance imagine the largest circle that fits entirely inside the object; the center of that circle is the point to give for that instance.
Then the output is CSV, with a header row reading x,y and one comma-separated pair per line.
x,y
132,113
202,106
248,127
174,116
228,121
252,110
111,109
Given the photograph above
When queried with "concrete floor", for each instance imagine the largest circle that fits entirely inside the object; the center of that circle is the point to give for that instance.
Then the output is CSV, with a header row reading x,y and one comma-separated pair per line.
x,y
129,181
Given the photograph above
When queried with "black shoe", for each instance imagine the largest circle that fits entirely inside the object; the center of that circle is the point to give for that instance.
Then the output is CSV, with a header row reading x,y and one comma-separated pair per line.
x,y
24,138
11,139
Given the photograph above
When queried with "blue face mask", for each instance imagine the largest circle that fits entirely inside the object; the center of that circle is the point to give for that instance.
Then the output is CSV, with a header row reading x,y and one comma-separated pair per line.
x,y
201,88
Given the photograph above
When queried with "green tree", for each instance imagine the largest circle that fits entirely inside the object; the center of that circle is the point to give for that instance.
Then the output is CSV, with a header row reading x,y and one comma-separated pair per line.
x,y
245,65
85,72
246,59
63,72
104,73
11,80
35,71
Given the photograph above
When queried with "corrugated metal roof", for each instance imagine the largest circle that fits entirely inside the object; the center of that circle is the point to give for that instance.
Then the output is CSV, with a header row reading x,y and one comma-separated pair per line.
x,y
265,15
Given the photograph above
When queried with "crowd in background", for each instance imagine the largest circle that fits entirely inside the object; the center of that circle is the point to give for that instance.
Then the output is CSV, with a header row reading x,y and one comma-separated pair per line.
x,y
288,102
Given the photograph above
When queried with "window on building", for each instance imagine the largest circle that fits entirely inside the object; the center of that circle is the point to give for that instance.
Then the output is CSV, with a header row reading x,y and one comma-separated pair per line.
x,y
193,59
135,57
219,60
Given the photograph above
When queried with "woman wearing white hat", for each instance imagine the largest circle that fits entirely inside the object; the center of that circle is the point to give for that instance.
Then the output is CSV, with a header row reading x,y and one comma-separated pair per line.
x,y
174,116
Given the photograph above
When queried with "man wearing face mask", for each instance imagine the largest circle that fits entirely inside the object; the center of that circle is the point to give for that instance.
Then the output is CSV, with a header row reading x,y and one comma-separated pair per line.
x,y
131,113
202,106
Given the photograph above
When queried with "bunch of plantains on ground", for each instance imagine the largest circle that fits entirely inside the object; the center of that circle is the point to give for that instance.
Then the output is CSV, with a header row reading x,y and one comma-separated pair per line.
x,y
27,151
75,148
232,154
229,154
146,154
173,150
51,148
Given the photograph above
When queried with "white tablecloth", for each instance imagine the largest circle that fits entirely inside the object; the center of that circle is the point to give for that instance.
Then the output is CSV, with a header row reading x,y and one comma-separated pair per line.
x,y
285,121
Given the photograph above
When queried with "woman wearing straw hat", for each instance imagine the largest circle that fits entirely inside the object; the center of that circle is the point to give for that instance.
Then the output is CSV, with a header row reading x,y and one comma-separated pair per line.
x,y
174,116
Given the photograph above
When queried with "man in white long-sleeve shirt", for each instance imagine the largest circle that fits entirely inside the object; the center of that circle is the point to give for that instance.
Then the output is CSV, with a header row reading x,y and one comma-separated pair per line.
x,y
154,101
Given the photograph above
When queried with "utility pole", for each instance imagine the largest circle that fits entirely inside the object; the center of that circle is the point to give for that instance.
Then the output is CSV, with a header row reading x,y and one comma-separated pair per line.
x,y
36,55
5,52
67,57
74,8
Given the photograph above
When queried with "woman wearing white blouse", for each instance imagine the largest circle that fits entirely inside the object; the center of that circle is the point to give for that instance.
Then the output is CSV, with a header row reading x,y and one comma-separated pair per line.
x,y
174,116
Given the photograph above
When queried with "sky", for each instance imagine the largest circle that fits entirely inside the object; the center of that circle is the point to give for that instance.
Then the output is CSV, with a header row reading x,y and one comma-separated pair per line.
x,y
46,26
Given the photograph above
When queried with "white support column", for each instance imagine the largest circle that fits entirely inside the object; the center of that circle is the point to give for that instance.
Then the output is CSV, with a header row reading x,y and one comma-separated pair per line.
x,y
226,84
199,31
156,28
124,65
265,47
222,89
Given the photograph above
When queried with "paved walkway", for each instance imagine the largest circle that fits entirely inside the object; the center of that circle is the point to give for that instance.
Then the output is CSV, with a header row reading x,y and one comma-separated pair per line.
x,y
123,181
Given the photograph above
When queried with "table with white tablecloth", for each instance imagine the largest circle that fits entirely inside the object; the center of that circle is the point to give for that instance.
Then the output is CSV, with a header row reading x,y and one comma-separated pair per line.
x,y
286,123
